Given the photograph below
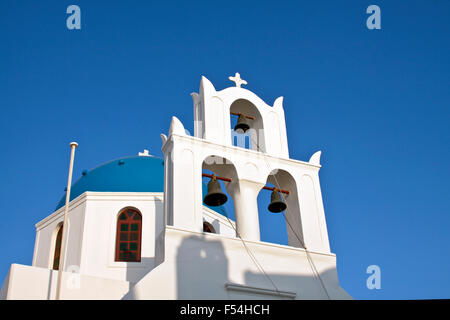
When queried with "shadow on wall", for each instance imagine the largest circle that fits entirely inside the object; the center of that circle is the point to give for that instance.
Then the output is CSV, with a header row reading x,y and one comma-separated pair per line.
x,y
202,268
203,272
135,271
294,286
195,271
198,267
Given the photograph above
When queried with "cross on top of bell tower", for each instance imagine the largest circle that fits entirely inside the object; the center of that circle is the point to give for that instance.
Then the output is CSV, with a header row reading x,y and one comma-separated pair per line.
x,y
237,79
213,122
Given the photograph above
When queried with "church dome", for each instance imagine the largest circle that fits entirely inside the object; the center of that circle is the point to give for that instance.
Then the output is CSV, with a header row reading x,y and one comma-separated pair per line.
x,y
129,174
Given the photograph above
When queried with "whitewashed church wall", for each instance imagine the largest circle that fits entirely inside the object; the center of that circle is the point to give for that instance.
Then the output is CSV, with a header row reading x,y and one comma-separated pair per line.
x,y
73,286
46,232
99,244
229,271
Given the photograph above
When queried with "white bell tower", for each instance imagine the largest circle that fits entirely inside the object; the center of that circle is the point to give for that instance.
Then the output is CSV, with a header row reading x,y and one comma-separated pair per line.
x,y
212,117
250,169
137,245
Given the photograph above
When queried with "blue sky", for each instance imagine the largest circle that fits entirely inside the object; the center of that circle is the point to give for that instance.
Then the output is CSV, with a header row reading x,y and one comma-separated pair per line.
x,y
376,102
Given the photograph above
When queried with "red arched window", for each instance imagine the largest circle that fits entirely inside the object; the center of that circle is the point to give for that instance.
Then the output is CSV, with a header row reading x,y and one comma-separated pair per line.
x,y
128,237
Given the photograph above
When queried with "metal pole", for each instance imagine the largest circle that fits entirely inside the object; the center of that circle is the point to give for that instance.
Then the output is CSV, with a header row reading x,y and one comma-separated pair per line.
x,y
238,114
229,180
279,190
217,177
73,146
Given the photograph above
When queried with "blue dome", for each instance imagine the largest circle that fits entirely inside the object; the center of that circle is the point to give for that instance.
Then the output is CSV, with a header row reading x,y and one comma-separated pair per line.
x,y
130,174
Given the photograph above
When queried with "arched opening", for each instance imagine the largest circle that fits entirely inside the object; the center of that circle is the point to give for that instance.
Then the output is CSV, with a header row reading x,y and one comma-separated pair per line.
x,y
220,167
57,250
253,138
128,236
283,227
208,227
272,225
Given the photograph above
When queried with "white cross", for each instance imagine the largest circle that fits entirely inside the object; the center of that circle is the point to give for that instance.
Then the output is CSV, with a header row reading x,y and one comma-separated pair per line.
x,y
237,79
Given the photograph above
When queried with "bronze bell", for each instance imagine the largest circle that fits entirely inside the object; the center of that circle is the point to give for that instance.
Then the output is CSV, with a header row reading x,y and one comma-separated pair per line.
x,y
276,203
241,124
215,197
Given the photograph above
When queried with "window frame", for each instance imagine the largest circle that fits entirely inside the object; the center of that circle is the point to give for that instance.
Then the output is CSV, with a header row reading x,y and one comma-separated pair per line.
x,y
57,247
207,225
125,236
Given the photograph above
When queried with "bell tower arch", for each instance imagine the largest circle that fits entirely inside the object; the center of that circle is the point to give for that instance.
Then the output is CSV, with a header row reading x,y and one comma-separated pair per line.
x,y
212,118
247,113
247,170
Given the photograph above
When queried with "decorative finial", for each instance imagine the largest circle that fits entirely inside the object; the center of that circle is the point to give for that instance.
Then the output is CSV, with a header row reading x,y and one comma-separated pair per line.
x,y
144,154
237,79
